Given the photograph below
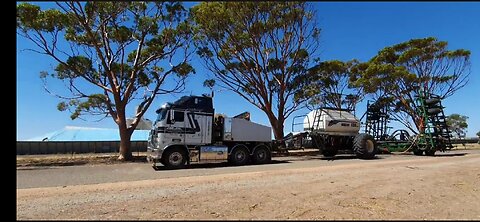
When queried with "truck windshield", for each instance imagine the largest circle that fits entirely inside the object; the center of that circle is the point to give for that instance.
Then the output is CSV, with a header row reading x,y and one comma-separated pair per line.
x,y
161,115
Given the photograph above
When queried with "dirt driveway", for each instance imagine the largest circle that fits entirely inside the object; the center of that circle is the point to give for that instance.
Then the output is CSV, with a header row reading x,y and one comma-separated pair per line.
x,y
391,187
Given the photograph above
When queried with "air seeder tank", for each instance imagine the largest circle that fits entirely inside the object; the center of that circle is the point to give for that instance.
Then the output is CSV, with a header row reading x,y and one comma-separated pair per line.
x,y
331,120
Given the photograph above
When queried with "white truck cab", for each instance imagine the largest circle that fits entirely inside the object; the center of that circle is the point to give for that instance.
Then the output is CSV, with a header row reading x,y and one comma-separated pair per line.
x,y
187,131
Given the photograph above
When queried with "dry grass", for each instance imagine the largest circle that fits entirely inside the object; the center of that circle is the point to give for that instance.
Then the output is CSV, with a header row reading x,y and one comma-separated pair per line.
x,y
467,146
73,159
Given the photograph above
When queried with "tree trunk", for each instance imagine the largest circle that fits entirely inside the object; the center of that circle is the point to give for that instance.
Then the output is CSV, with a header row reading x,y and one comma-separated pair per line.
x,y
125,144
277,126
418,121
278,130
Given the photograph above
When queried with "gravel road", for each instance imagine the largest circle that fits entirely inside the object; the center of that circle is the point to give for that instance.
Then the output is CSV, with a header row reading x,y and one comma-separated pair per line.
x,y
390,187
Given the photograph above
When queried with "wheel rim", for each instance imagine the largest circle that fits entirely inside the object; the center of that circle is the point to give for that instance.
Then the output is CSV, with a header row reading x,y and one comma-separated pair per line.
x,y
240,155
370,146
176,158
261,155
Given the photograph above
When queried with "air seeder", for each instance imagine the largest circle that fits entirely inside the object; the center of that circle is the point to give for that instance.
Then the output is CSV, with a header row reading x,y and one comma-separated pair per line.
x,y
434,132
330,130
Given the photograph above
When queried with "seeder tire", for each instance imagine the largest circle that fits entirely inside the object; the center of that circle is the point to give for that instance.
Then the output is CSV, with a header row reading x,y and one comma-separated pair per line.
x,y
364,146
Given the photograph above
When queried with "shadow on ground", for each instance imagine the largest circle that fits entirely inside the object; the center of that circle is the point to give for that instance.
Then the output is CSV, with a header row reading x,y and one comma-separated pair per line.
x,y
438,154
307,155
449,154
338,157
216,165
226,164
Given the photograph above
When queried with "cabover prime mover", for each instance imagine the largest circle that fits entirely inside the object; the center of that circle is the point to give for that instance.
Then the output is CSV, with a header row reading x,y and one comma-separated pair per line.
x,y
188,131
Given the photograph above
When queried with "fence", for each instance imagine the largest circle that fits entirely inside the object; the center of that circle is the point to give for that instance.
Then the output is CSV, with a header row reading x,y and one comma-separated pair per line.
x,y
64,147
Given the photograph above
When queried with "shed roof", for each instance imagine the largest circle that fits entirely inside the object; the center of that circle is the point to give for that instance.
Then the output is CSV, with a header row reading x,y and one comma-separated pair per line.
x,y
76,133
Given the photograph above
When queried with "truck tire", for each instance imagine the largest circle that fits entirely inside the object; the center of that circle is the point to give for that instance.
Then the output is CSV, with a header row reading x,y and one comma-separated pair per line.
x,y
174,158
262,155
430,152
239,156
364,146
329,152
418,152
307,144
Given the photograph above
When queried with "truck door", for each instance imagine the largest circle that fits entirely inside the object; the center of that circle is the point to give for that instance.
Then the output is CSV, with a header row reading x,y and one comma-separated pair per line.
x,y
175,127
207,135
194,129
200,128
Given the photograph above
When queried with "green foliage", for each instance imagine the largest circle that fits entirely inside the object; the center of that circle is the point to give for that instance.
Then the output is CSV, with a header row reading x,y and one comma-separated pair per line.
x,y
183,69
30,17
93,103
458,124
74,67
478,133
401,70
330,84
210,83
260,50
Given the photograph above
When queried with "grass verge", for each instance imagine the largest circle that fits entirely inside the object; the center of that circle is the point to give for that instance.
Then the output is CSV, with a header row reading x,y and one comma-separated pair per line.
x,y
73,159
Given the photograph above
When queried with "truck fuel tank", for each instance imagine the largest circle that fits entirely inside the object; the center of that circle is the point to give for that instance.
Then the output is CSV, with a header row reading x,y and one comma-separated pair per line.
x,y
213,153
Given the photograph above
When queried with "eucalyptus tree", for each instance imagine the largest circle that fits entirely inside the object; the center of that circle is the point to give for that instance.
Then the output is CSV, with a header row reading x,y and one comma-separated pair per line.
x,y
259,50
457,124
399,73
330,84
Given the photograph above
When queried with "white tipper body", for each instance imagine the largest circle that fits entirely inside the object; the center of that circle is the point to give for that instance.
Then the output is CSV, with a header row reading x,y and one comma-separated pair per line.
x,y
243,130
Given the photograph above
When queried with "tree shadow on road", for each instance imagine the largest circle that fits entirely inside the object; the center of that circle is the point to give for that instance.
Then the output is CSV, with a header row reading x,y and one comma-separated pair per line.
x,y
449,154
436,154
305,158
344,157
217,165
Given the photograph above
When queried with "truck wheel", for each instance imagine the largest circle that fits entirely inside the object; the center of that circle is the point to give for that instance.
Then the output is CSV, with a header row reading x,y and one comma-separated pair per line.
x,y
262,155
364,146
174,158
239,156
418,152
329,152
430,152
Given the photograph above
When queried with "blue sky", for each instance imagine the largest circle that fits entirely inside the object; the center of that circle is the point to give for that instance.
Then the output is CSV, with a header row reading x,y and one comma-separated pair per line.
x,y
349,30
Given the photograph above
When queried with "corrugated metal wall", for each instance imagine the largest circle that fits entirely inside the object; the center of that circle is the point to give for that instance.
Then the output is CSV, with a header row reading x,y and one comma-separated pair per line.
x,y
60,147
